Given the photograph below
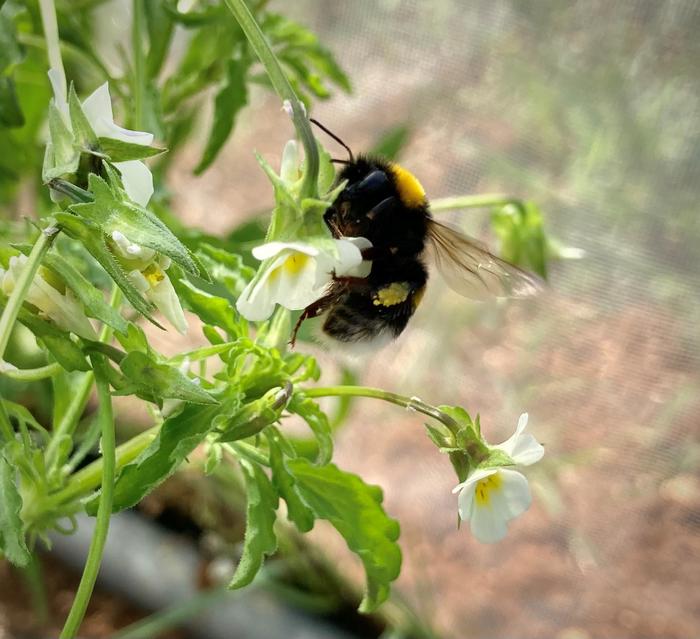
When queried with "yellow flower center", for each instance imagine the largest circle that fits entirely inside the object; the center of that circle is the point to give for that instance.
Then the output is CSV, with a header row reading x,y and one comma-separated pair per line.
x,y
153,274
292,265
484,488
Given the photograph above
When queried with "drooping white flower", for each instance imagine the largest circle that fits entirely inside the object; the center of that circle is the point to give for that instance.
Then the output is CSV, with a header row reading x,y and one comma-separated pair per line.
x,y
490,497
146,272
61,307
137,178
295,274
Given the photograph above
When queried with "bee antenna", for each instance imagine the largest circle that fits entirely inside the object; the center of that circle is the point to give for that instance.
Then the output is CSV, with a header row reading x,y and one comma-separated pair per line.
x,y
336,138
337,161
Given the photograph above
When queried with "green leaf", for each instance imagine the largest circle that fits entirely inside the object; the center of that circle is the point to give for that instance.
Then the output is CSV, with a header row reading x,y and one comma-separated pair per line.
x,y
10,51
160,28
10,111
177,438
137,223
12,543
85,136
355,511
260,539
317,420
225,267
93,239
392,142
120,151
232,97
90,297
61,157
297,511
154,382
211,309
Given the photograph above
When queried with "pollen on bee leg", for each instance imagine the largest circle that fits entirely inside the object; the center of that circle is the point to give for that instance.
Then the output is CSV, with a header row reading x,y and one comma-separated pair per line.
x,y
391,295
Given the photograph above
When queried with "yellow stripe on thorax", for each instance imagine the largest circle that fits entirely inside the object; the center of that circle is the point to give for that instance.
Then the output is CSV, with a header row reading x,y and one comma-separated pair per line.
x,y
410,189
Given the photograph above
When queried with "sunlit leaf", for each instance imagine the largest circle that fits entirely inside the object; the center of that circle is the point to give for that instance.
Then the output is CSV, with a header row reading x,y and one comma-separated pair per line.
x,y
355,510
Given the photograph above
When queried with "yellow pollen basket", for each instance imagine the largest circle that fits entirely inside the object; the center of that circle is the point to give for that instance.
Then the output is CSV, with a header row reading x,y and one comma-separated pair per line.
x,y
391,295
485,487
410,190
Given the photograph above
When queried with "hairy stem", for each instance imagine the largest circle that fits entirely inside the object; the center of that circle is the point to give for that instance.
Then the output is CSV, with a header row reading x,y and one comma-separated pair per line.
x,y
284,90
104,512
139,64
410,403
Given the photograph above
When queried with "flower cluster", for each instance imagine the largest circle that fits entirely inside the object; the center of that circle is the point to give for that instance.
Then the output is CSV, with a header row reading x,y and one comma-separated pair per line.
x,y
490,497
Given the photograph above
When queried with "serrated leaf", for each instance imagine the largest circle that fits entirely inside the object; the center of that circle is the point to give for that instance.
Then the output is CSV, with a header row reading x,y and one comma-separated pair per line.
x,y
317,421
297,511
137,223
354,508
120,151
12,543
90,297
154,382
93,239
177,438
260,539
211,309
232,97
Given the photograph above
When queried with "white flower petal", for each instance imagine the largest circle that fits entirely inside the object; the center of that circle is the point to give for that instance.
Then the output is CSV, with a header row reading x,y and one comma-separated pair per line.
x,y
266,251
522,447
98,109
138,281
165,298
255,302
363,267
289,168
487,525
137,179
513,497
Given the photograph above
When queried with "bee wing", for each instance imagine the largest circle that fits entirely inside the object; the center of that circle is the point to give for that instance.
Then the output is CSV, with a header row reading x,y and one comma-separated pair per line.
x,y
471,270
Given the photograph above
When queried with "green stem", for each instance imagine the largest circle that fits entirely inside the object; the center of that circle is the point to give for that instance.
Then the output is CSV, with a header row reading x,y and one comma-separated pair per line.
x,y
53,43
410,403
80,398
87,479
24,281
30,374
284,90
471,202
37,590
104,512
139,63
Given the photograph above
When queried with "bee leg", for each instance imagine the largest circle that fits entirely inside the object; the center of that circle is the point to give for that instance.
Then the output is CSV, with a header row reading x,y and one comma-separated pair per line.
x,y
348,282
312,310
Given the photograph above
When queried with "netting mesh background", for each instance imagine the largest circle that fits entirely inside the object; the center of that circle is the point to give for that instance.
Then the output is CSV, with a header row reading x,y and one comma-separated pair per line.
x,y
591,109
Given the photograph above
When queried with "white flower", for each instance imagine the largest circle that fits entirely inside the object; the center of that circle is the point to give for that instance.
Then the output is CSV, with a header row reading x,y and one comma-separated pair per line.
x,y
137,178
295,274
490,497
146,272
63,308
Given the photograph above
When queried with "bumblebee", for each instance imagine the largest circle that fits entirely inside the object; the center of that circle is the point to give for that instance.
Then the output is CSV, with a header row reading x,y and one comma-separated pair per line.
x,y
386,204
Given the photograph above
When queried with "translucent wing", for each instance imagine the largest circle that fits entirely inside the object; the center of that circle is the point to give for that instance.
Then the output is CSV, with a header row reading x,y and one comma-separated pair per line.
x,y
471,270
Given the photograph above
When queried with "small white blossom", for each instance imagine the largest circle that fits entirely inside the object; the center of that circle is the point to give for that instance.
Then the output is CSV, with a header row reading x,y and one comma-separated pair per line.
x,y
62,308
137,178
296,274
146,272
490,497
